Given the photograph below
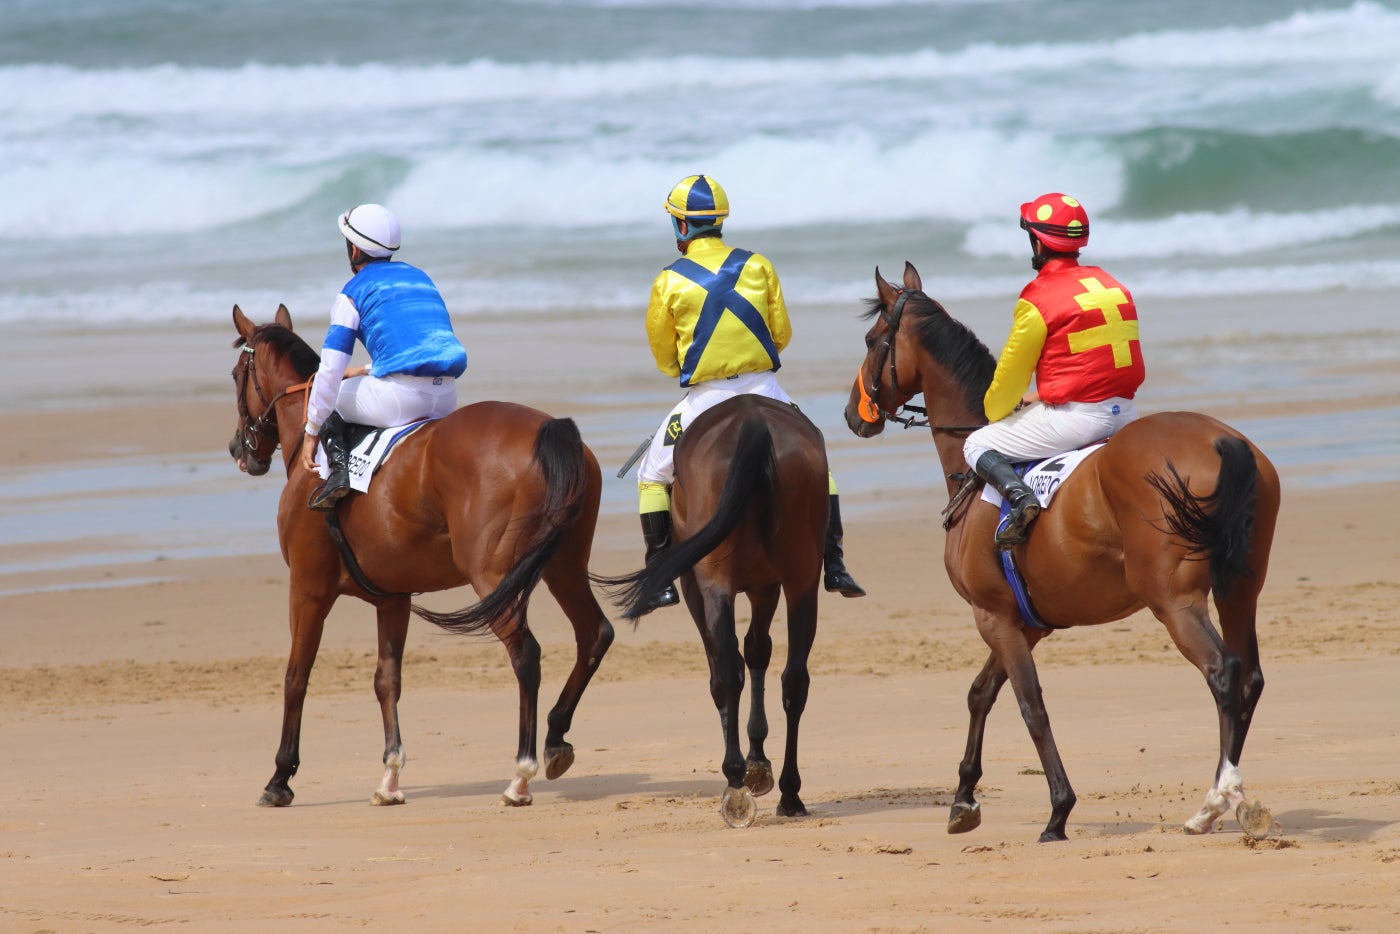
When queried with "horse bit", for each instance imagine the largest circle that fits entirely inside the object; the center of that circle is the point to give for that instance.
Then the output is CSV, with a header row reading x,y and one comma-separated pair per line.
x,y
967,482
264,426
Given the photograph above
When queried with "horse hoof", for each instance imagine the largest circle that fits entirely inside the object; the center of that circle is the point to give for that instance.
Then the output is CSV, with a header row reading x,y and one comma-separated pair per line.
x,y
791,806
964,817
275,798
1255,819
384,798
1053,836
737,807
758,777
558,760
511,800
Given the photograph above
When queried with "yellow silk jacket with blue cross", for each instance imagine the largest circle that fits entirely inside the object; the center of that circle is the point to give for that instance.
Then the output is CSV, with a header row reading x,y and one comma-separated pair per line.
x,y
717,312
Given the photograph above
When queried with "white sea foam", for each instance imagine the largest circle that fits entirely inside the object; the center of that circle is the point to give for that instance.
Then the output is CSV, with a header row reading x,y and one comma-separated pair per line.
x,y
1364,32
848,179
1236,232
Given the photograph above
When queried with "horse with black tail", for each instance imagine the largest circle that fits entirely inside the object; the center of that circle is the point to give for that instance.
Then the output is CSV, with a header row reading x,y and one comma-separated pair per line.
x,y
495,495
749,515
1177,509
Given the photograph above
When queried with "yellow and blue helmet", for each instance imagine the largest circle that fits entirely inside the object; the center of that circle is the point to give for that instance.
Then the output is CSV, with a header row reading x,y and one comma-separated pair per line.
x,y
699,201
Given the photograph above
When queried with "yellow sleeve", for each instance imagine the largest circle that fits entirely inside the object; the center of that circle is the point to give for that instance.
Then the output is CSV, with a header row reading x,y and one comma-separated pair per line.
x,y
661,328
778,324
1017,363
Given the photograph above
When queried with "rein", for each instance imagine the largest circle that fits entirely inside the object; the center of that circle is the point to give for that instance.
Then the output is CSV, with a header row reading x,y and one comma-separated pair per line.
x,y
892,320
265,425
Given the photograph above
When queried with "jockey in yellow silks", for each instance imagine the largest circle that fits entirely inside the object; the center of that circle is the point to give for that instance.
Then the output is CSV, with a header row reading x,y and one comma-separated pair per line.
x,y
717,320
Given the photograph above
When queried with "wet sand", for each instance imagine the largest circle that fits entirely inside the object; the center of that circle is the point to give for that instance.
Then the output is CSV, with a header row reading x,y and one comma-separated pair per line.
x,y
142,676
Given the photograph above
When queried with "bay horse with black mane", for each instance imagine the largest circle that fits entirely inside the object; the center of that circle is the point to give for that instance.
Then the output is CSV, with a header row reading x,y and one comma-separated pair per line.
x,y
495,495
749,512
1175,509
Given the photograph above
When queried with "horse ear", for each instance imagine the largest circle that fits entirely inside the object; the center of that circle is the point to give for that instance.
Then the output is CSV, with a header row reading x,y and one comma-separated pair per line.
x,y
886,292
284,317
911,277
242,324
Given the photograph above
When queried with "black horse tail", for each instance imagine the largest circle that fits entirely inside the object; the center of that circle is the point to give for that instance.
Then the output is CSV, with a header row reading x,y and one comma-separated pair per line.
x,y
559,457
1220,525
752,471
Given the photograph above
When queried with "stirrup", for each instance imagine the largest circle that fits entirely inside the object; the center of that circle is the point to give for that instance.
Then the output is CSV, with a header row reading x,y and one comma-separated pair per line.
x,y
326,496
1016,528
839,580
662,598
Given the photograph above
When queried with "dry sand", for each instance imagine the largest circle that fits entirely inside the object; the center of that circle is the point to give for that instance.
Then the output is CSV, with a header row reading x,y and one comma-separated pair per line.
x,y
142,721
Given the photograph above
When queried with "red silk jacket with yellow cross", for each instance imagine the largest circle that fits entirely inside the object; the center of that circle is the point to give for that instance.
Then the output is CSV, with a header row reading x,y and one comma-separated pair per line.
x,y
1076,328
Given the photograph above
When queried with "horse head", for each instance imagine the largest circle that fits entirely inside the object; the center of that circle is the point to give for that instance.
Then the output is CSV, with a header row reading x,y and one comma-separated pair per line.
x,y
880,388
255,436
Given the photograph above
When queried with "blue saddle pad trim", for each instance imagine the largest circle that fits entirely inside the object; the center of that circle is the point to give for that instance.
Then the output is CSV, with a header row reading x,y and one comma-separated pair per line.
x,y
1013,574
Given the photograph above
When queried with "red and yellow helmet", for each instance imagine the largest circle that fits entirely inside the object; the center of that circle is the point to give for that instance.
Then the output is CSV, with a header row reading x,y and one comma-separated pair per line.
x,y
1058,221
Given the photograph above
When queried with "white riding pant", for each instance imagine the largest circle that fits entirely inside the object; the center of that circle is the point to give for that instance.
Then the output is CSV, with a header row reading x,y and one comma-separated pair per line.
x,y
1040,430
658,464
390,401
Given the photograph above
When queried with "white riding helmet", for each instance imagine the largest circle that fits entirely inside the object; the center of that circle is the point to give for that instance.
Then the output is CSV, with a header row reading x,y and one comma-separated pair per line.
x,y
371,227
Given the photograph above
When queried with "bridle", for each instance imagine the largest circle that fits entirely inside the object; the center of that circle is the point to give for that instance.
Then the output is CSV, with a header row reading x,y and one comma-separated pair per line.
x,y
885,352
264,427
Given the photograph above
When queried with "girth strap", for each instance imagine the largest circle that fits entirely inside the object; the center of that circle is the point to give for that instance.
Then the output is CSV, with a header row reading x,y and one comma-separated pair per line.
x,y
348,556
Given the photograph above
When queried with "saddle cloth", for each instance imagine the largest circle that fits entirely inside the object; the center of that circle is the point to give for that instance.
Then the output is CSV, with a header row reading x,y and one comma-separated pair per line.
x,y
1045,477
369,449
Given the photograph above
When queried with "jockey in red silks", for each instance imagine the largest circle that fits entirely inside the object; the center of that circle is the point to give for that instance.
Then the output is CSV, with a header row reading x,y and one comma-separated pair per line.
x,y
1075,329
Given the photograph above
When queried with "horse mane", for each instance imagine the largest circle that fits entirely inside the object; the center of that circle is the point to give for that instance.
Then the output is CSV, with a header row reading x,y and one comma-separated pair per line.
x,y
950,343
303,358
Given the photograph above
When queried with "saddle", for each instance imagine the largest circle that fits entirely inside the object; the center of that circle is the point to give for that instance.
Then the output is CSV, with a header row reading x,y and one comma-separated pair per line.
x,y
1044,477
370,447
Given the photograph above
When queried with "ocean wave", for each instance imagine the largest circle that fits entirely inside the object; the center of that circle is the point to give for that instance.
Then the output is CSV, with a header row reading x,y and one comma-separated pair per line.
x,y
1232,233
851,178
1311,41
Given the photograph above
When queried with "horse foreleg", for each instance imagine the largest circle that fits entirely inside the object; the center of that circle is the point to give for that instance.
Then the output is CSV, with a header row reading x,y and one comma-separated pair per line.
x,y
758,653
388,685
524,653
593,634
1012,644
967,813
797,680
308,621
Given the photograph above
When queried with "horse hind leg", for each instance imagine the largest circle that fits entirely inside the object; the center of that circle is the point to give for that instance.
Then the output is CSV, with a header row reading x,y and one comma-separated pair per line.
x,y
737,806
388,687
524,652
1197,640
758,654
567,579
797,680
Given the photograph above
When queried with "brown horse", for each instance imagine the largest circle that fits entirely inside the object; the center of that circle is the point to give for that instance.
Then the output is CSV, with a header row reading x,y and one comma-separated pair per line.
x,y
494,495
1176,507
749,512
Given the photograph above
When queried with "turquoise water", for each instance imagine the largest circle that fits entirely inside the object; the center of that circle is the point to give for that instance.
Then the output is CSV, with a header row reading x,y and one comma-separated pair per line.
x,y
165,159
162,161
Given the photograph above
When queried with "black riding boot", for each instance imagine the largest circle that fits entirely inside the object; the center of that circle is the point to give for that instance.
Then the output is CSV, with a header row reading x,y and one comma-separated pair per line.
x,y
997,471
338,460
838,579
656,531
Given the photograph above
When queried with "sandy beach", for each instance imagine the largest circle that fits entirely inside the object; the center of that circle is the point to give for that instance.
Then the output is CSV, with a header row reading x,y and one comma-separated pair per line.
x,y
142,673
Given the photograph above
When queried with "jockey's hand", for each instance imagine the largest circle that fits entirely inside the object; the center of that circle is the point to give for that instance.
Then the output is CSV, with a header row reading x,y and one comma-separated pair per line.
x,y
1030,398
308,452
353,371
